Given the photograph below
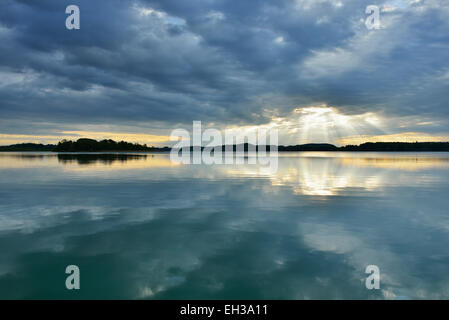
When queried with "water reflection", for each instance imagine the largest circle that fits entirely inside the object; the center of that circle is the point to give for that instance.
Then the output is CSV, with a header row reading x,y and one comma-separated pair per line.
x,y
102,158
329,174
401,163
142,228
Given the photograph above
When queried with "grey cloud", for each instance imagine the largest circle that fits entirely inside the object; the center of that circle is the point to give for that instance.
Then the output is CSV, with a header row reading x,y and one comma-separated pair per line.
x,y
218,61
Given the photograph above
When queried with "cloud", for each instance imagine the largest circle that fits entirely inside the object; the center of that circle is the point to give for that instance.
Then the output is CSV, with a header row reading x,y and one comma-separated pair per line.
x,y
153,64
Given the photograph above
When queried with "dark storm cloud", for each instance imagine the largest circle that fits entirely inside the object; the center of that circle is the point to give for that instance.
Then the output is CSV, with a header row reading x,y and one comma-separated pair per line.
x,y
219,61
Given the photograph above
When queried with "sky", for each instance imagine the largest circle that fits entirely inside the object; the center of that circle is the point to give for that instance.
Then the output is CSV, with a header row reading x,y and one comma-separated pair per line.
x,y
138,69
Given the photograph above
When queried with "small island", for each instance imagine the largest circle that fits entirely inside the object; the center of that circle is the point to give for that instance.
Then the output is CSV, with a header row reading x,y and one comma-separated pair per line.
x,y
91,145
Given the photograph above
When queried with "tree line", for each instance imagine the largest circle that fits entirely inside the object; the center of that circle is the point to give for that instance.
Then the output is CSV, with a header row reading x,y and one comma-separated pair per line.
x,y
108,145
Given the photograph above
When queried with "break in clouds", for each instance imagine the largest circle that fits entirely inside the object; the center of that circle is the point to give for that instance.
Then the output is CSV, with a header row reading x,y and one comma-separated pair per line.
x,y
151,66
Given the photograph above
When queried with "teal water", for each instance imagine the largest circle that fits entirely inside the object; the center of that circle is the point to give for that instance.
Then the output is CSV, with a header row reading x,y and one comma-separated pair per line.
x,y
140,227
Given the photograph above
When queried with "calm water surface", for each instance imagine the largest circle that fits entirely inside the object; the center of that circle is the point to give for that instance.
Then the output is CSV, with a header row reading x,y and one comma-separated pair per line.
x,y
140,227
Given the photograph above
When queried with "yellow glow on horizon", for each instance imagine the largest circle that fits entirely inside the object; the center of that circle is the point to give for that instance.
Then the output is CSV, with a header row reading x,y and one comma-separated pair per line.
x,y
118,136
149,139
397,137
8,139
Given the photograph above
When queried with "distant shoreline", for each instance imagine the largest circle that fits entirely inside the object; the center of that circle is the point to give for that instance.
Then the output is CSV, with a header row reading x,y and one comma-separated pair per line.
x,y
92,146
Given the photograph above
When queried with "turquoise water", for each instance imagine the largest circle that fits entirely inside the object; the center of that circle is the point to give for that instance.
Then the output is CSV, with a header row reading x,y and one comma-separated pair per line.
x,y
141,227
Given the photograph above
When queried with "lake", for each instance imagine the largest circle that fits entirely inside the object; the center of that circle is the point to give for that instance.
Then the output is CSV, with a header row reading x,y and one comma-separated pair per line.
x,y
141,227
